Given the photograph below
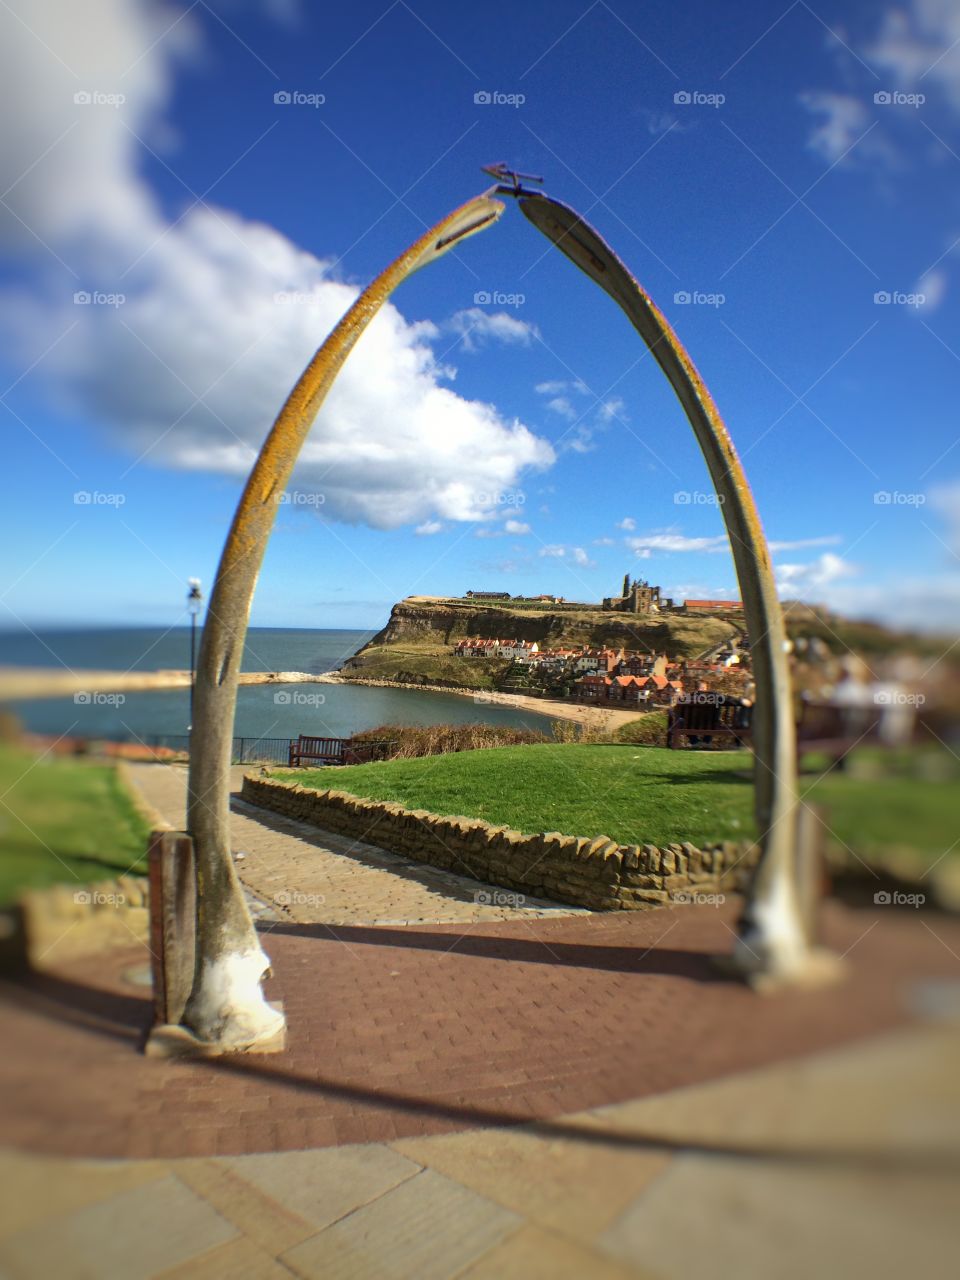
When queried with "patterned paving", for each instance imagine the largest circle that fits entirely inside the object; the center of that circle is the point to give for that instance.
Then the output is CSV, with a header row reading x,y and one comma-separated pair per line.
x,y
396,1032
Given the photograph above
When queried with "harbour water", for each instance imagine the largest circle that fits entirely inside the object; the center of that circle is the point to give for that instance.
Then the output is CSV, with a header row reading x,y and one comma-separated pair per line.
x,y
281,711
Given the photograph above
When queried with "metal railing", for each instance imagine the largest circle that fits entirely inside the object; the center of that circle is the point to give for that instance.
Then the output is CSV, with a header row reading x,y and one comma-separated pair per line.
x,y
245,750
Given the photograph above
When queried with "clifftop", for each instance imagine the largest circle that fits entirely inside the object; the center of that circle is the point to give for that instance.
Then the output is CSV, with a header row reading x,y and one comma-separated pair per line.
x,y
415,645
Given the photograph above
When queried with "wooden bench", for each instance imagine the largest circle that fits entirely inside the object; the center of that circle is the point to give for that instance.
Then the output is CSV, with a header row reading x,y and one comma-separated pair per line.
x,y
320,750
824,728
336,750
708,718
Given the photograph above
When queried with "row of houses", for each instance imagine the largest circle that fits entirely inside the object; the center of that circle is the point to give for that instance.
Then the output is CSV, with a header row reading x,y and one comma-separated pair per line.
x,y
651,691
480,648
615,666
618,662
660,690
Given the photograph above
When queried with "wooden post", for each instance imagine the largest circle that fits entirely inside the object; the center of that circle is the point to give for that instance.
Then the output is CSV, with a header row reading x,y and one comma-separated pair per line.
x,y
173,923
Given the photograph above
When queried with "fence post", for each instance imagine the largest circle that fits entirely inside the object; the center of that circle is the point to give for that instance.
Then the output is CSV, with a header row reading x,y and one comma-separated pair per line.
x,y
173,922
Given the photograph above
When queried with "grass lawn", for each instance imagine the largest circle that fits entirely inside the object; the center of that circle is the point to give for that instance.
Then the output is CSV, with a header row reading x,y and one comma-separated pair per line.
x,y
890,811
640,794
630,794
64,821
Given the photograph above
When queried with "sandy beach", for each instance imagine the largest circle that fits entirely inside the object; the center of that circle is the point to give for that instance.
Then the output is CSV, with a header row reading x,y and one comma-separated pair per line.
x,y
603,717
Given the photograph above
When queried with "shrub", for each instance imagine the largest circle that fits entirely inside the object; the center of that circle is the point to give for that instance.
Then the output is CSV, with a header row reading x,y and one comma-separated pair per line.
x,y
563,730
410,740
649,730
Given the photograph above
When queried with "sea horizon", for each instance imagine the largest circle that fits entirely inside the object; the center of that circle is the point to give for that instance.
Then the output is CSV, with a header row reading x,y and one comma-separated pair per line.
x,y
333,710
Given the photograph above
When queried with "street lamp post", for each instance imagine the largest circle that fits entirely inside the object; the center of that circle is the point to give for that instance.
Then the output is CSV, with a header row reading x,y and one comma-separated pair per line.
x,y
194,604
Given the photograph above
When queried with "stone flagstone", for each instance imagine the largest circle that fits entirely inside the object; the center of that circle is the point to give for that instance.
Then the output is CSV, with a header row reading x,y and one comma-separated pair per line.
x,y
323,1186
134,1236
428,1228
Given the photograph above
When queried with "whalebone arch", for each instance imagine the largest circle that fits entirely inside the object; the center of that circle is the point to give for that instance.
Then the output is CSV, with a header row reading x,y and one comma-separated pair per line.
x,y
227,1004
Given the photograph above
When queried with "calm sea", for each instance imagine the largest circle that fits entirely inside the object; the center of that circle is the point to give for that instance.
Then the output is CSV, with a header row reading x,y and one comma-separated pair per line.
x,y
262,710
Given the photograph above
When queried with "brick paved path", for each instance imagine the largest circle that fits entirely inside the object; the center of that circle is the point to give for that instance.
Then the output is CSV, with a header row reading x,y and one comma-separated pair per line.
x,y
400,1031
313,876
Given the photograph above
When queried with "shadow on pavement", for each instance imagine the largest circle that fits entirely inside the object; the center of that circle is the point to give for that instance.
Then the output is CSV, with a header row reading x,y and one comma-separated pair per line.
x,y
695,965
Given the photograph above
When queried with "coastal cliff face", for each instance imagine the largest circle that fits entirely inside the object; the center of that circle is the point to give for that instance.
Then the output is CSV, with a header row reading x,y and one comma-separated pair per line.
x,y
415,645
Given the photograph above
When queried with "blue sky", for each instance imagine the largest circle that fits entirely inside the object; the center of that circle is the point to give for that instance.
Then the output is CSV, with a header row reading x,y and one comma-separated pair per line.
x,y
783,181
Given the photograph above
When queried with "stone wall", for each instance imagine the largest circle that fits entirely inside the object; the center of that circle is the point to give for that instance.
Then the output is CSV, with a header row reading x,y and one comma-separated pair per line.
x,y
597,873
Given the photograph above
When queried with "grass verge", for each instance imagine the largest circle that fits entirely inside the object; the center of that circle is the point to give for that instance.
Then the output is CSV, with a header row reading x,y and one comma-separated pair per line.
x,y
64,821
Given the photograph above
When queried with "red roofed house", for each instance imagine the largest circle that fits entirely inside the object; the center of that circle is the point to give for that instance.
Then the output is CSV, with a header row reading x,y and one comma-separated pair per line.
x,y
593,687
626,689
712,606
643,664
515,648
476,648
659,691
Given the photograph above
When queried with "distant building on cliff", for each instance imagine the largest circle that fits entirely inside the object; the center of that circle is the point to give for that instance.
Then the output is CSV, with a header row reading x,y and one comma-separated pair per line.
x,y
637,597
712,606
487,595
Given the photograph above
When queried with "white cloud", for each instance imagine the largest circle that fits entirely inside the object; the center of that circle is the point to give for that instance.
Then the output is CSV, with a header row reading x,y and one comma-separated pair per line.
x,y
72,165
801,579
575,554
562,406
842,120
933,286
580,441
674,542
603,542
611,409
477,327
921,42
515,527
917,48
800,544
221,314
586,422
628,523
556,388
429,527
658,122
